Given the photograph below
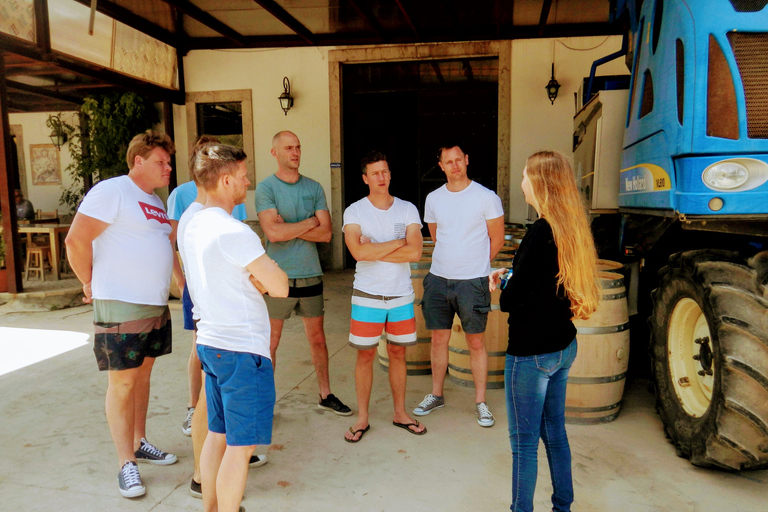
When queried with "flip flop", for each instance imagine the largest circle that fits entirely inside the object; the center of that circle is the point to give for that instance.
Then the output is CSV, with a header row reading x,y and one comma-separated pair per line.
x,y
407,426
362,432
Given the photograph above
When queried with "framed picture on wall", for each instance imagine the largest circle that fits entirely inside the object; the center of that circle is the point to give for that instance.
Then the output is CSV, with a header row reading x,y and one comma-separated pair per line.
x,y
46,168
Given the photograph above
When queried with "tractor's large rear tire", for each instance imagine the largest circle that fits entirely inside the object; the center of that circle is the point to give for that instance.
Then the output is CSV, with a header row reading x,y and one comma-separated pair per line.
x,y
709,348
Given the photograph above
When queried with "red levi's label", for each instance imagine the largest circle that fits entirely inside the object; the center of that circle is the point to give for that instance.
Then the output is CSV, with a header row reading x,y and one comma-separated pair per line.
x,y
153,212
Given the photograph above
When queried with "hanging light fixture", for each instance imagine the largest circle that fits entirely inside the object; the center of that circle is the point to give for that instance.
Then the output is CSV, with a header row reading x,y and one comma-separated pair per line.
x,y
286,100
552,86
58,135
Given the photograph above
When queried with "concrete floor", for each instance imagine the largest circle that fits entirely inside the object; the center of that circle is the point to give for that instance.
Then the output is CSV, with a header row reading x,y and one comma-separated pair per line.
x,y
57,453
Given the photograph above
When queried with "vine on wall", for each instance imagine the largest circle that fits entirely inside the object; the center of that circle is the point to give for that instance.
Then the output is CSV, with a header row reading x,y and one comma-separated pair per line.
x,y
112,120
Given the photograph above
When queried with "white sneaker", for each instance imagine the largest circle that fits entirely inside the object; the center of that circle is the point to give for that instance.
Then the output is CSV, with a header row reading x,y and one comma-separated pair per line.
x,y
429,403
186,427
148,452
129,481
484,416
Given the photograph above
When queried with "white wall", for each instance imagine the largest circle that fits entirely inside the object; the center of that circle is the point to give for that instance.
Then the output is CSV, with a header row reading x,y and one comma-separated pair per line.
x,y
537,124
262,71
34,131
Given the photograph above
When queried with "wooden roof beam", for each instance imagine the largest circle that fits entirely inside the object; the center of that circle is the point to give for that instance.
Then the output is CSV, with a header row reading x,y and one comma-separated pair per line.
x,y
40,91
369,19
289,21
93,71
545,7
408,18
133,20
209,21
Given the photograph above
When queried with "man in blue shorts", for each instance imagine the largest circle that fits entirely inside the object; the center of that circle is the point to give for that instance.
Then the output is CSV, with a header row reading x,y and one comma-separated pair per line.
x,y
223,255
383,233
294,216
180,199
196,425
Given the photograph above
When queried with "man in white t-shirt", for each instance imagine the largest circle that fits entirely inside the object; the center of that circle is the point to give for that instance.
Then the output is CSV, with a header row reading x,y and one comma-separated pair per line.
x,y
118,247
227,271
466,222
197,417
383,233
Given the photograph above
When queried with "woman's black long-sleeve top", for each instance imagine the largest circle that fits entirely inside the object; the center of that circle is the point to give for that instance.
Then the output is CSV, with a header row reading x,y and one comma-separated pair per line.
x,y
539,314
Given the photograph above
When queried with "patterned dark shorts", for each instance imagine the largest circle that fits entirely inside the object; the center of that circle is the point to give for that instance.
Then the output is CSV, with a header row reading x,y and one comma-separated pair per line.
x,y
124,345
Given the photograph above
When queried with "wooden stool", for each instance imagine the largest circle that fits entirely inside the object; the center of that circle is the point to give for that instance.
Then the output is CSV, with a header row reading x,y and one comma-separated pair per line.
x,y
35,262
63,261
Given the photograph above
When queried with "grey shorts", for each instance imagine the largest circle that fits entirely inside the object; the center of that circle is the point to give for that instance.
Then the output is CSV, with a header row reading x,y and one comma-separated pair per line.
x,y
305,297
443,298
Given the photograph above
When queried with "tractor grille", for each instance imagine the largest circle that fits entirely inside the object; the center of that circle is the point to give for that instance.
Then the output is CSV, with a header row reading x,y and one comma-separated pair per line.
x,y
748,5
751,52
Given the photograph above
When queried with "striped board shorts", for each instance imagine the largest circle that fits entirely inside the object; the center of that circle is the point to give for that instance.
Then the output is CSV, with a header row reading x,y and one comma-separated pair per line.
x,y
372,314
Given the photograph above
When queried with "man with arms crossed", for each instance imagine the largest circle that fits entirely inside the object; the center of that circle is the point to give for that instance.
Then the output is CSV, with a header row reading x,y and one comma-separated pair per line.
x,y
222,255
466,222
294,216
118,247
181,198
383,233
197,423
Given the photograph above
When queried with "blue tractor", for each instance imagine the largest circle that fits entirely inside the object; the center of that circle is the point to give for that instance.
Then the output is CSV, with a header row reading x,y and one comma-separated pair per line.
x,y
691,217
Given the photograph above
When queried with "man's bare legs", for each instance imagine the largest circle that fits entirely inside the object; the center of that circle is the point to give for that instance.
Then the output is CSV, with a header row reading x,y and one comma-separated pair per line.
x,y
225,470
126,408
313,327
275,331
363,384
193,374
478,362
199,428
141,394
439,354
120,407
398,373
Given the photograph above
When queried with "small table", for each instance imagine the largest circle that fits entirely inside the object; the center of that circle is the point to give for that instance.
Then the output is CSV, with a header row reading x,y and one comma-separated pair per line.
x,y
52,230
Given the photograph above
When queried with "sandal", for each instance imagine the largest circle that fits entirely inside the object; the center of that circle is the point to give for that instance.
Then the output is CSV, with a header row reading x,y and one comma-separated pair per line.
x,y
407,426
362,432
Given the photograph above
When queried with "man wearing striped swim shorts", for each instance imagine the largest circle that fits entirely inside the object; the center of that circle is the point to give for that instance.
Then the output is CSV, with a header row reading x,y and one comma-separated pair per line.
x,y
383,233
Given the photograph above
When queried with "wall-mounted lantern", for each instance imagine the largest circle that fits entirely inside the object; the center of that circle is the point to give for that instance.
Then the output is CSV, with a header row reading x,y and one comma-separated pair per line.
x,y
552,86
286,100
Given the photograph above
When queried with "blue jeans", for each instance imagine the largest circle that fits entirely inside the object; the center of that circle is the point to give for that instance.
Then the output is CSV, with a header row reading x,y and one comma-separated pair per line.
x,y
535,390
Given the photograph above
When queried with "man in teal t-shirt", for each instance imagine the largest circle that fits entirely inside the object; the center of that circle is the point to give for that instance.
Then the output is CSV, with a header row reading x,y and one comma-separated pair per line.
x,y
294,216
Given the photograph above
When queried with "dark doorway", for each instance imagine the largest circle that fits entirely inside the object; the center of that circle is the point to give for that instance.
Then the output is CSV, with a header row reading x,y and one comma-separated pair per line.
x,y
408,109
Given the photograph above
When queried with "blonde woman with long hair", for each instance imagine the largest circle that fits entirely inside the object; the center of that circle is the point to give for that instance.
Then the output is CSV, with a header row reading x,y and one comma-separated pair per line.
x,y
553,282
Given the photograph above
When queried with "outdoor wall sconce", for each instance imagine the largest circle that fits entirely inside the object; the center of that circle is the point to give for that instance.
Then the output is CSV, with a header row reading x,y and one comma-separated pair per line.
x,y
286,100
552,86
58,135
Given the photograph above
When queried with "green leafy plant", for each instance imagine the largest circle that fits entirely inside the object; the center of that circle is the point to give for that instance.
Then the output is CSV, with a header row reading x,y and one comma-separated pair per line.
x,y
112,120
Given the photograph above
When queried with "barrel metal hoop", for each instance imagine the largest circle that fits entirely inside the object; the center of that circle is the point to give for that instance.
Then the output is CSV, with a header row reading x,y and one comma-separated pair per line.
x,y
597,380
591,421
593,409
608,329
605,283
468,370
465,352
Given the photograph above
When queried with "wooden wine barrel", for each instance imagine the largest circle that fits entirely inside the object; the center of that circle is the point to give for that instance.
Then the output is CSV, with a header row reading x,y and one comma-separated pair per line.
x,y
609,266
597,377
417,357
496,338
